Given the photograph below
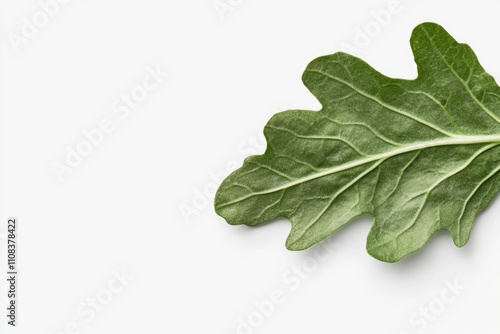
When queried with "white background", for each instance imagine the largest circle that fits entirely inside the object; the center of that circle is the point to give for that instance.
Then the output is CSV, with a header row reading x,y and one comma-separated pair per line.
x,y
120,208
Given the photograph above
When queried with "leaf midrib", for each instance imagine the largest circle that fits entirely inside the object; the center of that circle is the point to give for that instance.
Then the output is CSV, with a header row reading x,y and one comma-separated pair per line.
x,y
453,141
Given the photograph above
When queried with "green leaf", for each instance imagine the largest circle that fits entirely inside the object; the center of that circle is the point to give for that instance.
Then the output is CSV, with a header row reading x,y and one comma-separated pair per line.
x,y
419,155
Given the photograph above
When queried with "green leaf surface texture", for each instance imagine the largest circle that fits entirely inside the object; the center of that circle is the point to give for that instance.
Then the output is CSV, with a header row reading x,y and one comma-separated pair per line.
x,y
418,155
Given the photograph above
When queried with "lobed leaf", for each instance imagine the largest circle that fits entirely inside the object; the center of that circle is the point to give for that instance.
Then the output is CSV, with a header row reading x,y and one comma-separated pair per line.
x,y
419,155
